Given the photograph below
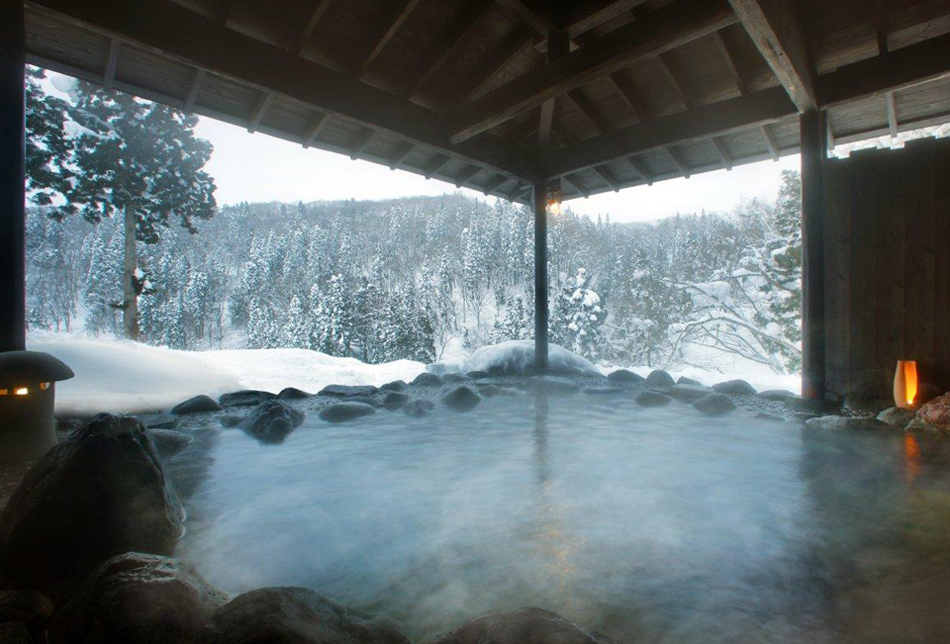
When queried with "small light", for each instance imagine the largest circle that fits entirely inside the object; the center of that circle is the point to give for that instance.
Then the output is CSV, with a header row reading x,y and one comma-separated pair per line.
x,y
553,201
905,384
4,392
21,391
44,386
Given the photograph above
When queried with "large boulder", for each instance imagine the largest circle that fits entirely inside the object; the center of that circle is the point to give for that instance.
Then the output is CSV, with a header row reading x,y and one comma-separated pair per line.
x,y
395,385
735,388
343,411
897,416
395,400
346,391
683,380
687,392
659,378
272,421
418,408
196,405
296,616
778,395
426,379
134,597
521,626
169,441
624,377
100,493
714,404
160,421
461,398
848,423
936,413
652,399
454,378
246,398
292,393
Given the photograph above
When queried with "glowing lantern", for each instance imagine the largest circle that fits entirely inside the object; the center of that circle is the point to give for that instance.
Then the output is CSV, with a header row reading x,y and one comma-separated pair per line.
x,y
905,384
27,390
553,201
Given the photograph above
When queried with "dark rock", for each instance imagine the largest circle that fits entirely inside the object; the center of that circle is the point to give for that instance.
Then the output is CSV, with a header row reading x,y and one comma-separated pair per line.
x,y
196,405
475,375
292,393
624,377
767,416
652,399
272,421
231,420
454,378
296,616
145,599
683,380
26,606
15,633
603,391
659,378
160,421
551,384
521,626
169,441
714,404
778,395
735,388
246,398
686,392
343,411
395,400
366,400
418,408
100,493
461,398
866,405
897,416
395,385
917,426
936,413
346,391
426,379
847,423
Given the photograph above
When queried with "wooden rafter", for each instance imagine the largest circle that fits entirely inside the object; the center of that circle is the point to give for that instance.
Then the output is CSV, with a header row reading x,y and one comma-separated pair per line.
x,y
260,109
604,173
729,58
674,81
586,107
400,16
641,169
192,96
626,91
769,142
891,114
493,184
578,184
223,11
315,128
512,49
436,165
299,39
466,175
776,31
679,161
401,155
604,11
538,21
558,48
661,31
360,143
721,152
112,62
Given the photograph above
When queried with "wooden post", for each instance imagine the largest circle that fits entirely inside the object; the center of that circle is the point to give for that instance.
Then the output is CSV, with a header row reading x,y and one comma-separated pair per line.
x,y
12,177
540,277
813,151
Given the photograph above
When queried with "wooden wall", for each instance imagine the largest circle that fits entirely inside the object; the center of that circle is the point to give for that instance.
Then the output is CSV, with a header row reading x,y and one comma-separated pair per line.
x,y
887,266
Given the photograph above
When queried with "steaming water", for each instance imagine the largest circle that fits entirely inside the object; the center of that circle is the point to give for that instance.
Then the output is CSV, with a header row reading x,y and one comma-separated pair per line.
x,y
649,525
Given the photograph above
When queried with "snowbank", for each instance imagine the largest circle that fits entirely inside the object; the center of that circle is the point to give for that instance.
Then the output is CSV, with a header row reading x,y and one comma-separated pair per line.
x,y
515,356
128,377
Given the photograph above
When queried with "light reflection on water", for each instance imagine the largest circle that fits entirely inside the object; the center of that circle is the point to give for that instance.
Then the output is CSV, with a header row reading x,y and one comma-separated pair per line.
x,y
650,525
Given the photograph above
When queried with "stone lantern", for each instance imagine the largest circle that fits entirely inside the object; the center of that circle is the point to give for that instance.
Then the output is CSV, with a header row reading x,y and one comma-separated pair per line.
x,y
27,389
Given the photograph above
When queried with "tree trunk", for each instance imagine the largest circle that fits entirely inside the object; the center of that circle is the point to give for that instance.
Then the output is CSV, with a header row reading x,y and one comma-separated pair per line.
x,y
130,298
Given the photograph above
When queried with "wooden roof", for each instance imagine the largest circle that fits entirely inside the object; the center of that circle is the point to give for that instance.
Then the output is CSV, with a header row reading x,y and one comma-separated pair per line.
x,y
496,95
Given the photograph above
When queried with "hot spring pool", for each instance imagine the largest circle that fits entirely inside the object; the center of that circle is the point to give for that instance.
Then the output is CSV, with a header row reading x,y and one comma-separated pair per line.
x,y
649,525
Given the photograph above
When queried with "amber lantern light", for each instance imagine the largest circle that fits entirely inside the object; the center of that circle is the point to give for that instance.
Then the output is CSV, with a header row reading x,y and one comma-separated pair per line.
x,y
905,384
27,391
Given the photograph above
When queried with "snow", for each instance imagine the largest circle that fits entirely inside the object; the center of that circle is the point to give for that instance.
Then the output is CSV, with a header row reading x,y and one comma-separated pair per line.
x,y
515,356
128,377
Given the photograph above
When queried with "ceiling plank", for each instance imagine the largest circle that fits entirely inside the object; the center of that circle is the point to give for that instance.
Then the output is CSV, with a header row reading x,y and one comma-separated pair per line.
x,y
660,31
539,22
575,181
193,39
641,169
401,155
730,60
605,11
770,142
259,110
315,129
397,20
436,165
520,42
891,114
777,33
586,107
629,95
192,96
678,88
679,161
608,177
112,62
467,175
298,42
360,143
493,184
721,151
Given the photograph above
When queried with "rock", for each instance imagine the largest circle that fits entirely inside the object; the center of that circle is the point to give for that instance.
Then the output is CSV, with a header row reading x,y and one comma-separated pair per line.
x,y
160,421
714,404
296,616
168,441
659,378
292,393
866,405
551,384
490,391
818,406
231,420
624,377
246,398
100,493
521,626
778,395
936,413
735,388
652,399
196,405
461,398
767,416
683,380
603,391
926,391
917,426
418,408
343,411
145,599
366,400
272,421
475,375
395,400
847,423
345,391
454,378
897,416
395,385
15,633
26,606
426,379
687,392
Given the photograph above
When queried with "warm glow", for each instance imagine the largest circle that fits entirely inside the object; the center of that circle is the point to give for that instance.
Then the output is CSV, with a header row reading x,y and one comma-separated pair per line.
x,y
3,392
44,386
21,391
554,206
905,383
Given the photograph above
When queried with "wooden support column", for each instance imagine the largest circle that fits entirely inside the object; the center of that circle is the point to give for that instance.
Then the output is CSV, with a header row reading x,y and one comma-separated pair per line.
x,y
12,177
540,277
813,151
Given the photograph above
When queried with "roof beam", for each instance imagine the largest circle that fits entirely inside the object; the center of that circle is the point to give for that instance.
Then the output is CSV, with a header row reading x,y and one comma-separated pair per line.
x,y
681,94
112,62
679,161
608,177
514,47
774,27
297,43
730,60
401,155
629,95
661,31
191,38
259,111
360,143
769,142
493,184
721,151
891,114
539,22
315,129
558,46
605,11
590,112
223,11
575,181
436,165
400,17
467,175
641,169
192,95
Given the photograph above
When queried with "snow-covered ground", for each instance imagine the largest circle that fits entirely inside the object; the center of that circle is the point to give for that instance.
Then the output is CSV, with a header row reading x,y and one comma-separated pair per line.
x,y
127,377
